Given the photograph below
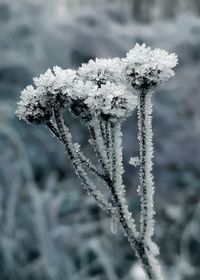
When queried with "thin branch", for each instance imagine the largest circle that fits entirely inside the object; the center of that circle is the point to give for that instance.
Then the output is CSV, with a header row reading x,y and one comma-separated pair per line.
x,y
76,161
117,188
84,160
107,138
98,143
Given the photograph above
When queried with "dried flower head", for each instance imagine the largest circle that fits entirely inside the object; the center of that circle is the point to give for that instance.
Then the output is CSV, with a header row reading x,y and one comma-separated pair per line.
x,y
33,107
102,70
111,101
147,68
104,83
52,89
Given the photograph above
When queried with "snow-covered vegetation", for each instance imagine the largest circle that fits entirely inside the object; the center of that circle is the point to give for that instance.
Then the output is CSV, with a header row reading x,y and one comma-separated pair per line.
x,y
35,36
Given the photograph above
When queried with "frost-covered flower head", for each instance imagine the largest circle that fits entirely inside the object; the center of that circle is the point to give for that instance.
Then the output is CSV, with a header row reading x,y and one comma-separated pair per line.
x,y
64,80
52,89
147,68
57,80
102,70
33,107
110,101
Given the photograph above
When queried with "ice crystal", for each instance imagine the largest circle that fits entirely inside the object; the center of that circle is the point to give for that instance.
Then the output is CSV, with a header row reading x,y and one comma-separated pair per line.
x,y
147,68
135,161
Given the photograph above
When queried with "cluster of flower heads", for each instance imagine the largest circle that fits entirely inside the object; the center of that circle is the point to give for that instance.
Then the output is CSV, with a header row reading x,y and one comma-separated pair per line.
x,y
100,87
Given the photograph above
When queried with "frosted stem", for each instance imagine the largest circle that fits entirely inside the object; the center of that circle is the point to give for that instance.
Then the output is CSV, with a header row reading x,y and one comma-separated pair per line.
x,y
147,249
120,210
146,190
98,143
84,160
108,136
117,186
148,260
141,249
107,139
76,161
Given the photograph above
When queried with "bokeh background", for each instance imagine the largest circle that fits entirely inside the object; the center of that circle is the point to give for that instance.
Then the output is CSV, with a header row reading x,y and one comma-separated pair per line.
x,y
49,228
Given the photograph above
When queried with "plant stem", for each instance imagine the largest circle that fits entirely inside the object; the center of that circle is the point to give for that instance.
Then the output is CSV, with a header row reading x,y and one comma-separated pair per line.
x,y
146,190
117,187
76,161
142,250
98,143
84,160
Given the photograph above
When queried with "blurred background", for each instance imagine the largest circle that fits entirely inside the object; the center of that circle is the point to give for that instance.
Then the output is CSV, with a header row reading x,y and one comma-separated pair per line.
x,y
49,228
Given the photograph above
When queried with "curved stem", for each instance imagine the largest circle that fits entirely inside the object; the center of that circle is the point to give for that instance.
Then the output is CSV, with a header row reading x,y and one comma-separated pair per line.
x,y
76,161
84,160
120,210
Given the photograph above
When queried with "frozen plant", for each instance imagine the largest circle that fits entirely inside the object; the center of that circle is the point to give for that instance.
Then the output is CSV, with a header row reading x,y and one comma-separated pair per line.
x,y
102,94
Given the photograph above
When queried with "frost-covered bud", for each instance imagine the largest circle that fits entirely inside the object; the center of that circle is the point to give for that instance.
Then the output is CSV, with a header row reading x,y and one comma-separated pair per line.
x,y
32,107
147,68
100,71
111,101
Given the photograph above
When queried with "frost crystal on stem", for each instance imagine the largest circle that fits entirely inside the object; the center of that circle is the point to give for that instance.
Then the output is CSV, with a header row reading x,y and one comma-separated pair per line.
x,y
135,161
102,94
